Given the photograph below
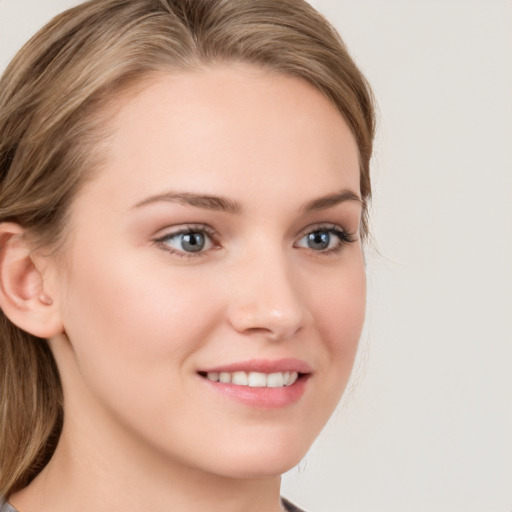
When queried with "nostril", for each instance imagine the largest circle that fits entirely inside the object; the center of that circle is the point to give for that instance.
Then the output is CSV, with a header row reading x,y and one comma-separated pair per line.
x,y
258,330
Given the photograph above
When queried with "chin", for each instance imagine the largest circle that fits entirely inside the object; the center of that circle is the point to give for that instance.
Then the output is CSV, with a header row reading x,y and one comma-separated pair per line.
x,y
264,458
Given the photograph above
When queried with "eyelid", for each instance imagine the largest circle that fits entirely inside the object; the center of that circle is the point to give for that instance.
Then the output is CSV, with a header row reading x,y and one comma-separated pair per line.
x,y
344,236
324,226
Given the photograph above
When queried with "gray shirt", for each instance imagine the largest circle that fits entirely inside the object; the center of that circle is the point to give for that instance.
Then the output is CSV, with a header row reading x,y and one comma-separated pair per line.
x,y
5,507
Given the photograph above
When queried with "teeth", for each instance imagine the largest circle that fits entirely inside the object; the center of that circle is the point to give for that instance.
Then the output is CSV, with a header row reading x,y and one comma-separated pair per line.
x,y
225,377
239,378
255,379
275,380
214,376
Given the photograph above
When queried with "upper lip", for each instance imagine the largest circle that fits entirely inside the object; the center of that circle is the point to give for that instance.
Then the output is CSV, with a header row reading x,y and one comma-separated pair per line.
x,y
263,366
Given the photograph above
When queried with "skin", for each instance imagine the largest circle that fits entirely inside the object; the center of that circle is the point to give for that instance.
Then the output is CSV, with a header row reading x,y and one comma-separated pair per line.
x,y
142,430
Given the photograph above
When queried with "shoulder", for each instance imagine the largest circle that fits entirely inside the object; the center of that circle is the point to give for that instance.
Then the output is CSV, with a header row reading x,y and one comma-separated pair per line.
x,y
5,507
288,506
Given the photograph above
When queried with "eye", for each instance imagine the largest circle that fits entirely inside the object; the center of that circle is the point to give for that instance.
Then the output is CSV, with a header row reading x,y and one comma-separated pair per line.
x,y
187,241
325,239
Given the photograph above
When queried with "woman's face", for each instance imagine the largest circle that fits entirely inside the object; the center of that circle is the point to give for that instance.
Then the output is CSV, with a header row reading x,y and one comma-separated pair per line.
x,y
214,259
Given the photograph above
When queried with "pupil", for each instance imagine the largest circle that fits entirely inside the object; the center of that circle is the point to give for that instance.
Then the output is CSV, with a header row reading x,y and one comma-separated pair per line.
x,y
319,240
193,242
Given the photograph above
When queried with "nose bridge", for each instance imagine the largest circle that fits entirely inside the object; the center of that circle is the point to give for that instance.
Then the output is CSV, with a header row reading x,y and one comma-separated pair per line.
x,y
267,299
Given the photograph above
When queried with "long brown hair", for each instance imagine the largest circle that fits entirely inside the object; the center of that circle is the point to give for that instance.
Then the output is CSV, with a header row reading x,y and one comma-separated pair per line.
x,y
52,99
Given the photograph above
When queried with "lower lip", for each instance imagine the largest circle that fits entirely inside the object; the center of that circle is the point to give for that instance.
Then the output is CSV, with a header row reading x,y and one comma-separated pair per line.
x,y
262,398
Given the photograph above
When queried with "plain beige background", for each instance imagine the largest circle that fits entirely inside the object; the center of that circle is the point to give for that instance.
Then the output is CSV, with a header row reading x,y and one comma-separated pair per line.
x,y
427,425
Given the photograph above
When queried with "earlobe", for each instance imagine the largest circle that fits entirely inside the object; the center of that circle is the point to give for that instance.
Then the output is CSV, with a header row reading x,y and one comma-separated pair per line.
x,y
23,297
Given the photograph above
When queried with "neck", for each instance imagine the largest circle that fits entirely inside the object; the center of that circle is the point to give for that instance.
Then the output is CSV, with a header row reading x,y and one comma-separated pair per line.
x,y
91,475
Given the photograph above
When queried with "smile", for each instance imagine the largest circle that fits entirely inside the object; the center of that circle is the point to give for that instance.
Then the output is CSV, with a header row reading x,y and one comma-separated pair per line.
x,y
254,379
260,383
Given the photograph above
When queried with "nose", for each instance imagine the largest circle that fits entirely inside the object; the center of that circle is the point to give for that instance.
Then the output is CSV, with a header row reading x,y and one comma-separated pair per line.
x,y
266,300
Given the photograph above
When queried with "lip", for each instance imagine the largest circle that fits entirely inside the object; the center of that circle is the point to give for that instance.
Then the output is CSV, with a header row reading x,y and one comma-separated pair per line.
x,y
264,366
264,397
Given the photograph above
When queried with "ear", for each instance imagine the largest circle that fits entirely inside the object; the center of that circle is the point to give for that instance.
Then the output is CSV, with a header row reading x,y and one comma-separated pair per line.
x,y
23,297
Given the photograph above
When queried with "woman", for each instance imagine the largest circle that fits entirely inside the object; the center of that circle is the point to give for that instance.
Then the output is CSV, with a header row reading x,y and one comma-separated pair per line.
x,y
183,206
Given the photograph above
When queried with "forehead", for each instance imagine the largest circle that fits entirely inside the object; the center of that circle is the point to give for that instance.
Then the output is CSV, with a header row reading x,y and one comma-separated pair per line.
x,y
227,129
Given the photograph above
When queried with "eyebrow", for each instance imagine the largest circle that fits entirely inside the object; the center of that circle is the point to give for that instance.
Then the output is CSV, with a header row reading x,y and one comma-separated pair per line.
x,y
219,203
206,202
325,202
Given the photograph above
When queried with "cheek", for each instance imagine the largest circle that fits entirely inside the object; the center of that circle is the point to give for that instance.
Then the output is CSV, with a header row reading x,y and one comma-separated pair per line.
x,y
133,331
340,309
128,321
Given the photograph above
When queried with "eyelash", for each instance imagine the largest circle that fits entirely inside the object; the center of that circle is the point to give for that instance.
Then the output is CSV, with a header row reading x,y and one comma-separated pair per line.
x,y
188,229
343,236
